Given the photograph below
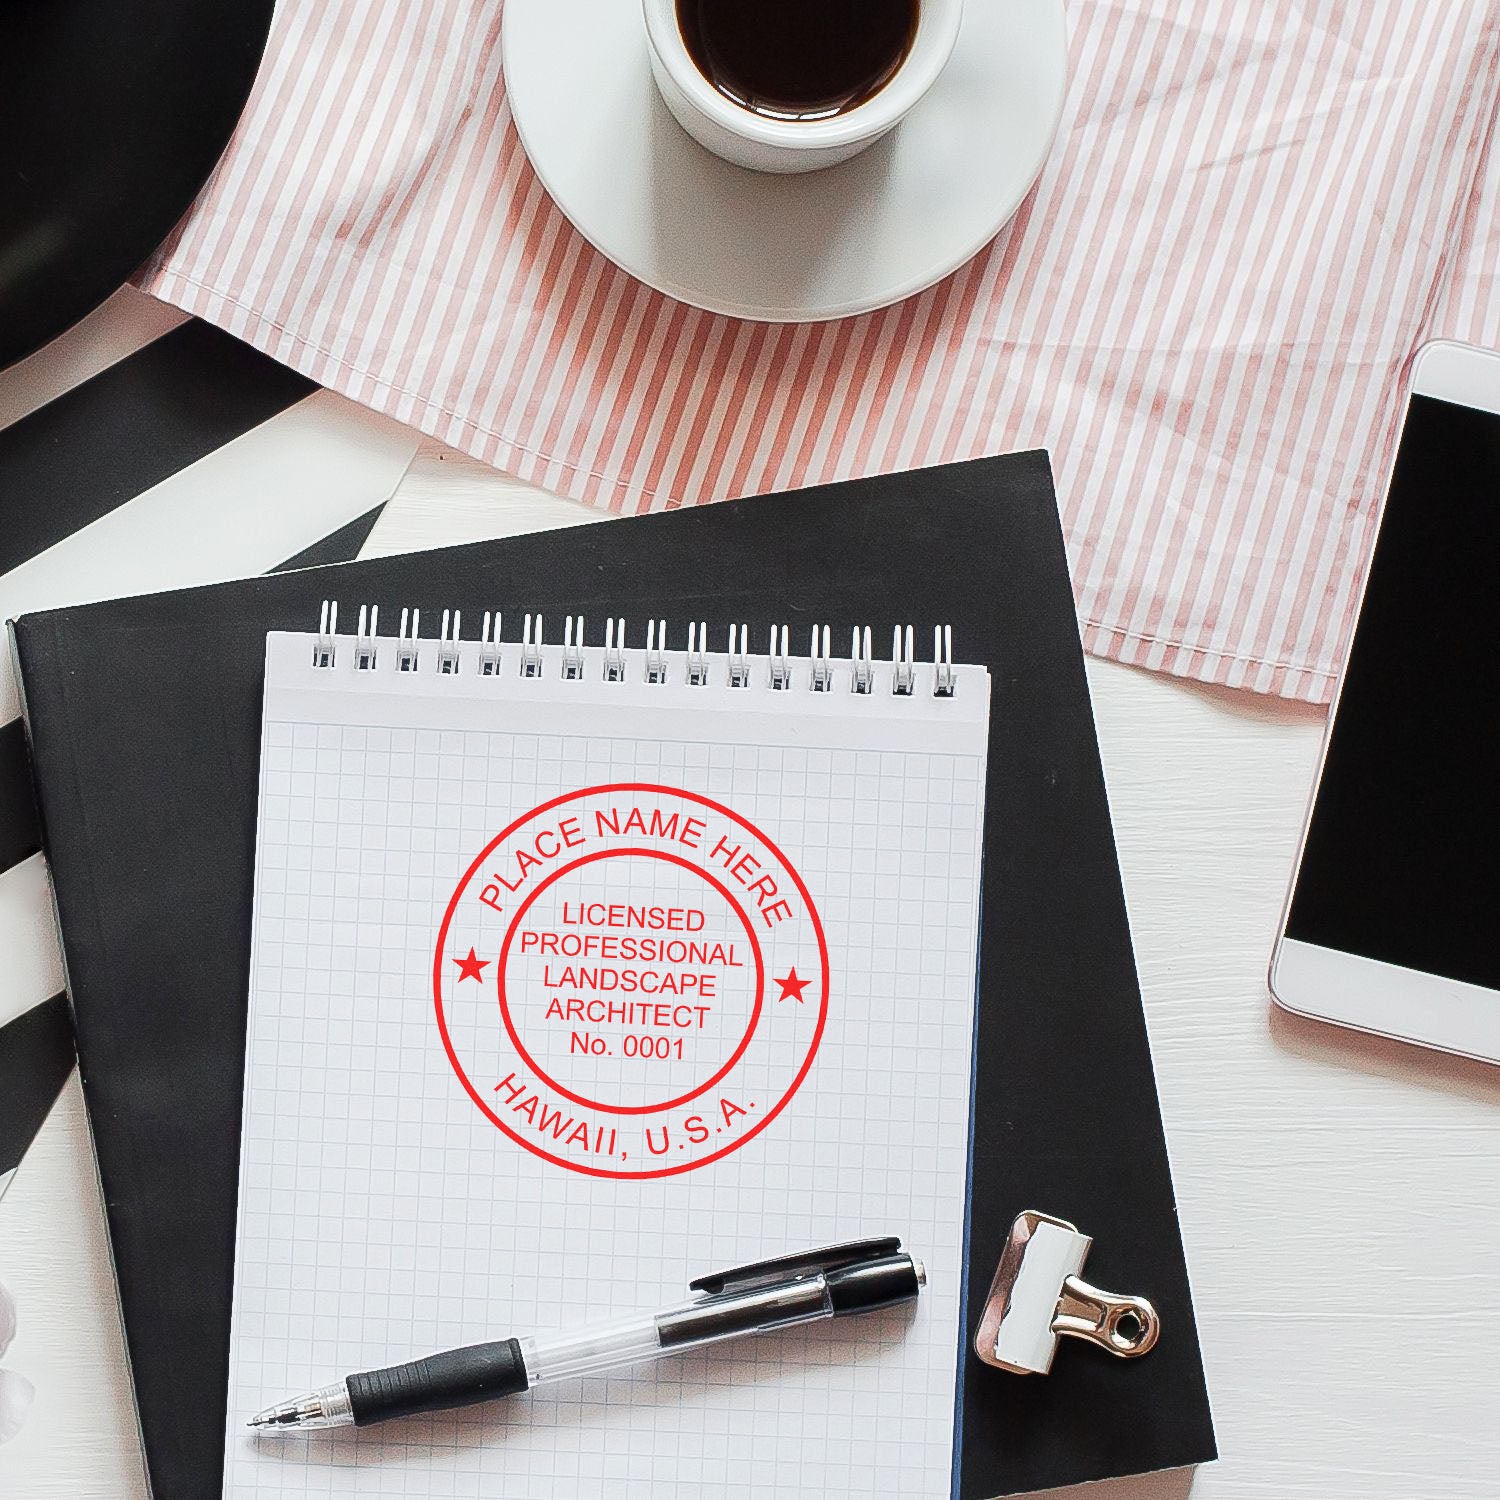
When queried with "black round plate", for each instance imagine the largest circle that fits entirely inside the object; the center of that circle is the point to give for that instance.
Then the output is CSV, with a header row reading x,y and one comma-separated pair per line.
x,y
112,115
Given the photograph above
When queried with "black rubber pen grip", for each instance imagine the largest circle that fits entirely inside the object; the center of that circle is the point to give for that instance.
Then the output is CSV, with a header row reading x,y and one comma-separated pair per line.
x,y
456,1377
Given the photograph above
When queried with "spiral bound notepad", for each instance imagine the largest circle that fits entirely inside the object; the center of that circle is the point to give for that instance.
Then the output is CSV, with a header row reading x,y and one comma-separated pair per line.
x,y
582,970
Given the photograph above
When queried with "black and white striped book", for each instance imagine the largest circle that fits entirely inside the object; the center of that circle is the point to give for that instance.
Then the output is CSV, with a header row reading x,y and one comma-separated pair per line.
x,y
145,451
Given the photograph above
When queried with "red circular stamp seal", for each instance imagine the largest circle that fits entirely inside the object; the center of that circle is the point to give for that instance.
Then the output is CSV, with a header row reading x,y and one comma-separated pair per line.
x,y
631,980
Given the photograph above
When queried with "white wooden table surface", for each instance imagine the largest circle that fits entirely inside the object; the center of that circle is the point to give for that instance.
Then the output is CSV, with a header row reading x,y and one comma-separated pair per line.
x,y
1340,1197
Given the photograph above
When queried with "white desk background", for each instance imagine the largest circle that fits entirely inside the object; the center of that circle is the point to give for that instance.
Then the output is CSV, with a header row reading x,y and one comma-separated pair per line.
x,y
1340,1197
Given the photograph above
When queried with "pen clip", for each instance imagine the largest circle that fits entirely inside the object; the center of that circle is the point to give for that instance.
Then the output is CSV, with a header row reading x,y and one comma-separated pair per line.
x,y
802,1263
1037,1297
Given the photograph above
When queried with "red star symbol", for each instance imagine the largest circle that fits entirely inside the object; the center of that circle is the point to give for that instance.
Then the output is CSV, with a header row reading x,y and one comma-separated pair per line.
x,y
792,987
470,967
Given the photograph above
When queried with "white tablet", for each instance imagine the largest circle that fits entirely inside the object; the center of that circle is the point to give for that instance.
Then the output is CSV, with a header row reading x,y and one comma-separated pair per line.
x,y
1392,924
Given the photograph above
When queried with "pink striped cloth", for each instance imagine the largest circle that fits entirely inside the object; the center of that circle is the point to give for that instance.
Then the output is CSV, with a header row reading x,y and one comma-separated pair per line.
x,y
1257,210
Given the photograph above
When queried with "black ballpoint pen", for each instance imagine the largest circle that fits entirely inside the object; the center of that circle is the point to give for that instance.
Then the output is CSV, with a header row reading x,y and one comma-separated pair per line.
x,y
759,1298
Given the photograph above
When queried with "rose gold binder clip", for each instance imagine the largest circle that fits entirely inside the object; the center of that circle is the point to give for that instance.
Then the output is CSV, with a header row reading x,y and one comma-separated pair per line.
x,y
1037,1298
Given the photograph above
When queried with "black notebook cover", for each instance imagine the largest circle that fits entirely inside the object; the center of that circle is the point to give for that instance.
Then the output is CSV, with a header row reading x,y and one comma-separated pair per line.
x,y
144,717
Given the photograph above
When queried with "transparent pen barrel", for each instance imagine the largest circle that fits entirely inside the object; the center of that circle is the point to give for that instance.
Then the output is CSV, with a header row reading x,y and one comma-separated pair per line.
x,y
567,1356
647,1336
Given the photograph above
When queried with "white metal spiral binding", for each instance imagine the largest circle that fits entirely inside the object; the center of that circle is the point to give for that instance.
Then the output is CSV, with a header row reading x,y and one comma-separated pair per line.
x,y
614,649
656,650
572,648
697,654
862,664
489,646
447,657
946,680
406,645
781,666
325,645
736,667
822,663
364,641
904,676
531,647
739,656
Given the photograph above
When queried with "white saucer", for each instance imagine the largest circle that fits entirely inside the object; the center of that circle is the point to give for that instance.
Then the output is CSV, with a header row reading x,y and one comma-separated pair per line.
x,y
828,244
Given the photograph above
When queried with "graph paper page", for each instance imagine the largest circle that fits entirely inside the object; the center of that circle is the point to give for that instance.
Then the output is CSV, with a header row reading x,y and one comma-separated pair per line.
x,y
565,992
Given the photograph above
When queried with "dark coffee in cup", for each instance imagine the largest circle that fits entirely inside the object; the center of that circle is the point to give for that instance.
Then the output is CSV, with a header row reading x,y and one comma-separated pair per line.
x,y
798,59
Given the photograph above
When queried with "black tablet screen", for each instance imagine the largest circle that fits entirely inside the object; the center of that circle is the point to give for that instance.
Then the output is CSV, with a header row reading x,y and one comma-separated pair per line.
x,y
1403,854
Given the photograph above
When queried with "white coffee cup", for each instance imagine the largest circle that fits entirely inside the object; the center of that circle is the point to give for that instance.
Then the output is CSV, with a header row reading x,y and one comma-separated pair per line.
x,y
768,145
